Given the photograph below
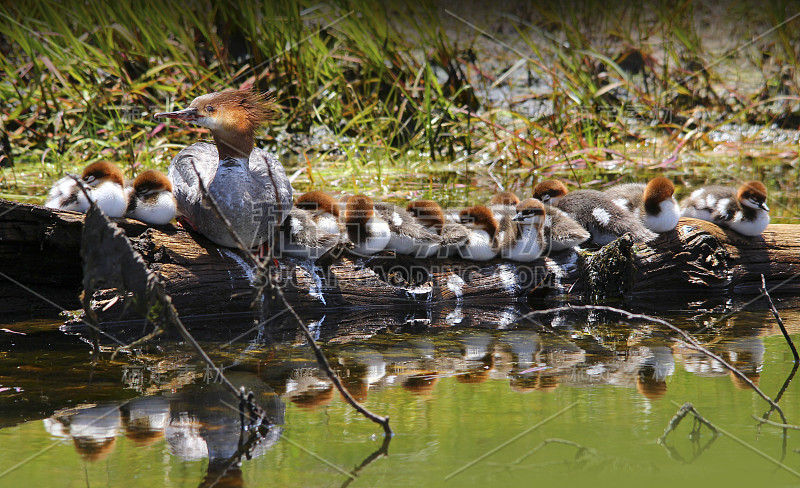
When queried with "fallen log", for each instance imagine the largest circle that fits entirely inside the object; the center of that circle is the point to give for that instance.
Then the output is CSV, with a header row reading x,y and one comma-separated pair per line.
x,y
39,254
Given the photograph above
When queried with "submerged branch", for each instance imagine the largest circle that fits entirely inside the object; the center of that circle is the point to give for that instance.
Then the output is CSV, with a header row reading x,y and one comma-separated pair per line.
x,y
381,451
685,410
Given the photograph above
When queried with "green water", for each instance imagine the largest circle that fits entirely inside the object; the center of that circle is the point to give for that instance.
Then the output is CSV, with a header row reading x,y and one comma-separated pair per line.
x,y
453,394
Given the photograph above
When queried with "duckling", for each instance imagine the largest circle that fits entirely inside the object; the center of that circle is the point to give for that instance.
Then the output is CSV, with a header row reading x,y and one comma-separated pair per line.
x,y
324,208
407,236
561,232
481,232
652,203
593,210
431,216
105,183
744,210
311,229
526,240
150,199
368,232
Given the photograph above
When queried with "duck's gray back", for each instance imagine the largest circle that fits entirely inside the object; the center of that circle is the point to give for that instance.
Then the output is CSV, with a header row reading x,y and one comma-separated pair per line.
x,y
255,200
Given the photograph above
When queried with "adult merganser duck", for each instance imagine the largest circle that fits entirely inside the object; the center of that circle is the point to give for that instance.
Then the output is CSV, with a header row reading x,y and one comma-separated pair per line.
x,y
652,203
593,210
311,229
482,230
431,216
407,235
367,232
744,210
150,199
525,242
248,184
105,186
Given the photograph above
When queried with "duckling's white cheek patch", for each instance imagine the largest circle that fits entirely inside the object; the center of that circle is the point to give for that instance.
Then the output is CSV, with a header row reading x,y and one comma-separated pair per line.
x,y
602,215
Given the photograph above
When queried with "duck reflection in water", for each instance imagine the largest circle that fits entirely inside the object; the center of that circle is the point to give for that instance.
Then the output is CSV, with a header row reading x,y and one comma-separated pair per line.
x,y
195,422
651,379
477,357
93,429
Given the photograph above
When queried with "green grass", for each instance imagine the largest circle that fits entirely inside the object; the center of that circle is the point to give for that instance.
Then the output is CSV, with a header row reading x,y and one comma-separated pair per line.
x,y
405,101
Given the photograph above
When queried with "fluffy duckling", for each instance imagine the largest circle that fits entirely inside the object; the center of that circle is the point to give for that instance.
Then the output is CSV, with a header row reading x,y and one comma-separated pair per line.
x,y
504,205
526,241
407,235
105,187
150,199
311,229
594,211
482,229
430,215
652,203
744,210
561,232
324,209
368,232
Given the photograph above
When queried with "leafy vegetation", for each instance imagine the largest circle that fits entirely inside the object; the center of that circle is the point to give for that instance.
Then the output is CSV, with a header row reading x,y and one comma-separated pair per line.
x,y
409,100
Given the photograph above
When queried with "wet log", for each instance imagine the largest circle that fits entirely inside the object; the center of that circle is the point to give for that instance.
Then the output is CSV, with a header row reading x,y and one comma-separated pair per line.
x,y
39,255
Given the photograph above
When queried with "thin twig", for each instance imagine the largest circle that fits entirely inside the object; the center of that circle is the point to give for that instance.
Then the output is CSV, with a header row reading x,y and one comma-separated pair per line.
x,y
323,361
783,389
778,318
688,341
776,424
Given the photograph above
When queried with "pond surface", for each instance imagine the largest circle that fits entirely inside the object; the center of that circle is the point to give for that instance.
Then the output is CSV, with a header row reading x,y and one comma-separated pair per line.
x,y
577,397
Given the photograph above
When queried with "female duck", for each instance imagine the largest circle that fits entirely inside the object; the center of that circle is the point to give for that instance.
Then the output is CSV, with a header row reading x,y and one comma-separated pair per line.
x,y
248,184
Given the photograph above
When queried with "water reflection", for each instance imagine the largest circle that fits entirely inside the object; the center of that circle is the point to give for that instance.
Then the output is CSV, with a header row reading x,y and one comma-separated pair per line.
x,y
199,422
93,429
567,350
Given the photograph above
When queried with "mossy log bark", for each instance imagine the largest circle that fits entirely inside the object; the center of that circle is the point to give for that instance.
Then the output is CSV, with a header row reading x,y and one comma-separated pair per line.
x,y
39,249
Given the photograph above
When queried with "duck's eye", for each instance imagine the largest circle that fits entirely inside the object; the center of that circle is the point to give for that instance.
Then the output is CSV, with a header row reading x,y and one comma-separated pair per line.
x,y
89,178
210,108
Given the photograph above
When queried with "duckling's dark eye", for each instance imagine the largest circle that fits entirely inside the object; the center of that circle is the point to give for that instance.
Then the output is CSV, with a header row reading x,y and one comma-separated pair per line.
x,y
210,109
